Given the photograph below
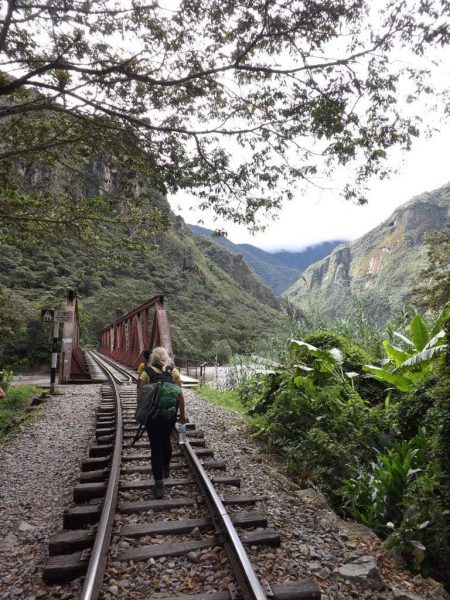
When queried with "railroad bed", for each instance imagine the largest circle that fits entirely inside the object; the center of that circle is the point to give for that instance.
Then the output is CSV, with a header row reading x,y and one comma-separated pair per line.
x,y
38,467
162,538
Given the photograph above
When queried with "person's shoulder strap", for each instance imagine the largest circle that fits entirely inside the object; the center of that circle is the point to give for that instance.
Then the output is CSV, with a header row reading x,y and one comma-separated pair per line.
x,y
154,374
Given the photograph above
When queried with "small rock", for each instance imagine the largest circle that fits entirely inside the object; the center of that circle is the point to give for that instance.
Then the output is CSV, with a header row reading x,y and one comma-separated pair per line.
x,y
8,542
193,556
363,572
303,549
401,595
292,567
24,526
196,533
114,590
312,497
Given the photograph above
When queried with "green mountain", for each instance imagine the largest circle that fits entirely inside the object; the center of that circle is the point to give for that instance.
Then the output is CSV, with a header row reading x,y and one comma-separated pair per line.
x,y
216,305
380,269
279,269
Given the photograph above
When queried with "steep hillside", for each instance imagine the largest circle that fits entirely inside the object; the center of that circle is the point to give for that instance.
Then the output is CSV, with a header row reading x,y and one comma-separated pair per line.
x,y
380,268
237,268
278,270
215,303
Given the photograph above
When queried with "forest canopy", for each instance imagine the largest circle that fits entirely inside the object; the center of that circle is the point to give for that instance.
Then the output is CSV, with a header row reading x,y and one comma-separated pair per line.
x,y
224,98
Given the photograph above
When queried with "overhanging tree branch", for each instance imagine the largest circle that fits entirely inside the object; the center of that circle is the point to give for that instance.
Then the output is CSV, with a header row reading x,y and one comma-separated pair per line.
x,y
236,101
7,22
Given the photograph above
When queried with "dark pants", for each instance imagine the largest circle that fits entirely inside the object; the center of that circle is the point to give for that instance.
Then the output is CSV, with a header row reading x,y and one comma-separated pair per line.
x,y
158,431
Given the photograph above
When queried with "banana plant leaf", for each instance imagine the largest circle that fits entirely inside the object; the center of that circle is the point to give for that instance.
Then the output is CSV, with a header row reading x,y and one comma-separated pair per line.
x,y
404,339
442,318
419,332
421,358
395,379
437,340
396,354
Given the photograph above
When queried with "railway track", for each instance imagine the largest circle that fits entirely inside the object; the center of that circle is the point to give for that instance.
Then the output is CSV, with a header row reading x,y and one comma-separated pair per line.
x,y
118,527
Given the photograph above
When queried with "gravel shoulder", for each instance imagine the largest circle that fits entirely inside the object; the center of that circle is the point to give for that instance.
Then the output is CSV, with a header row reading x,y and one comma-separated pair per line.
x,y
40,465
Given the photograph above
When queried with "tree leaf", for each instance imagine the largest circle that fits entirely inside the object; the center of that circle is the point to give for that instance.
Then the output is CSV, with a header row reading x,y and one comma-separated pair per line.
x,y
401,383
421,358
303,344
419,332
439,337
417,545
404,339
442,318
396,354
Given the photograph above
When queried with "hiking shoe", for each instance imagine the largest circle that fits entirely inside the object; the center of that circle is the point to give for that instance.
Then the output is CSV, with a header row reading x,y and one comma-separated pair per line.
x,y
158,490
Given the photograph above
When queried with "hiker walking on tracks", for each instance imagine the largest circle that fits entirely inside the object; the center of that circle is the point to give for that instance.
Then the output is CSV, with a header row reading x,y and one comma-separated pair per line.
x,y
159,429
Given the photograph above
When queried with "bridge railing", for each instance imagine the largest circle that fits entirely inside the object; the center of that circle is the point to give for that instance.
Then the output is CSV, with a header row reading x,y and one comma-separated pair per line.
x,y
144,327
192,367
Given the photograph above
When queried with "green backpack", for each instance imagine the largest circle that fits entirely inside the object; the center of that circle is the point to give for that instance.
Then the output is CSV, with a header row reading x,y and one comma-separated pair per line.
x,y
168,400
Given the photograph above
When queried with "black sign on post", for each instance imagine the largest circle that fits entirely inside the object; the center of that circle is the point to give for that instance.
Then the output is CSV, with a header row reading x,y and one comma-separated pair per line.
x,y
47,315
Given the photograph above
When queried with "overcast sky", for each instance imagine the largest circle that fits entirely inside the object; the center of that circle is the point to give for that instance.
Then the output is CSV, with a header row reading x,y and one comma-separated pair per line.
x,y
321,215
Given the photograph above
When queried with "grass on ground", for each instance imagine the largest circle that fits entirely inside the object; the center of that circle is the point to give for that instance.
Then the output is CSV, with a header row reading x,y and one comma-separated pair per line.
x,y
12,408
225,398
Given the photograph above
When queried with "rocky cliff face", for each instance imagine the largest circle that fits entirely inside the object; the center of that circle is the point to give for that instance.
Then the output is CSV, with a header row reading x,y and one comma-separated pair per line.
x,y
380,269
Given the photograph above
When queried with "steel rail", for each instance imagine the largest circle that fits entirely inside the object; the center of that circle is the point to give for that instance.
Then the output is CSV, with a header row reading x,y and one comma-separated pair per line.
x,y
114,365
97,564
246,576
252,589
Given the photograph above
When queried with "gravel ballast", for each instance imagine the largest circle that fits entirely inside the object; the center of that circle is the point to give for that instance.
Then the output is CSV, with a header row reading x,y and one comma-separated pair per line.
x,y
41,464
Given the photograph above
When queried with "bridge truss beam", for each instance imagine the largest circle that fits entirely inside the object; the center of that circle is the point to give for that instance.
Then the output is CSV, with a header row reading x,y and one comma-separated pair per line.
x,y
144,327
73,367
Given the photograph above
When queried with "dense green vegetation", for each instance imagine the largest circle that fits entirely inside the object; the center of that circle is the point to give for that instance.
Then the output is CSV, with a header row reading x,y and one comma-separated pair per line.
x,y
12,408
433,283
210,313
367,420
229,399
